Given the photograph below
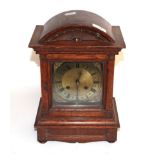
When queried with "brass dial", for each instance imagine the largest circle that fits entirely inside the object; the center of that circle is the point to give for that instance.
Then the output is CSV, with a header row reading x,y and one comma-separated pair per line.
x,y
77,83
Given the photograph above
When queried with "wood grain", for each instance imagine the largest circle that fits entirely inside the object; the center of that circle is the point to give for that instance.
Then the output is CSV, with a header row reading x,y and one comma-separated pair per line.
x,y
77,40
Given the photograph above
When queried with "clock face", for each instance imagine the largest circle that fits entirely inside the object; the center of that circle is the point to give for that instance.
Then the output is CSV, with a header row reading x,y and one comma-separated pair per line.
x,y
77,83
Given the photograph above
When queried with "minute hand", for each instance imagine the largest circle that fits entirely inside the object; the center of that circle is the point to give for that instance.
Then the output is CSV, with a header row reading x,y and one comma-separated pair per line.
x,y
77,85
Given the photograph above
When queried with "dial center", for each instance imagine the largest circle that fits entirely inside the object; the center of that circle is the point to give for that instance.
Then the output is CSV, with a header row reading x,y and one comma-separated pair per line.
x,y
77,78
77,81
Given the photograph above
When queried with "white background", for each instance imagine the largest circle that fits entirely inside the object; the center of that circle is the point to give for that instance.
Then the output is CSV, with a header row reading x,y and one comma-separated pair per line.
x,y
134,76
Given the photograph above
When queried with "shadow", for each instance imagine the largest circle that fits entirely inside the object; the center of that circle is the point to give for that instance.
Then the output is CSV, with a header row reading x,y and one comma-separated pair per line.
x,y
35,58
119,57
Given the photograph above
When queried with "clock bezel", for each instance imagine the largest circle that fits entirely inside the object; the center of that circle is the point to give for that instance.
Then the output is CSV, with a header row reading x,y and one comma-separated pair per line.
x,y
93,105
51,60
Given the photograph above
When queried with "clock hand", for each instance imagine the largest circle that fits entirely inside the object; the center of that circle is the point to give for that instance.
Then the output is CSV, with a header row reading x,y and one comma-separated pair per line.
x,y
77,85
77,93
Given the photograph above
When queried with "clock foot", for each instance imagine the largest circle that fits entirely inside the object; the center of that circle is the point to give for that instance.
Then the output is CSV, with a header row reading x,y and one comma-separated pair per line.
x,y
41,135
112,135
42,141
112,140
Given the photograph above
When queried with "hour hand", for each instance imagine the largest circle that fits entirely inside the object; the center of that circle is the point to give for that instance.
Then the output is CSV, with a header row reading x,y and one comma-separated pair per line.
x,y
77,82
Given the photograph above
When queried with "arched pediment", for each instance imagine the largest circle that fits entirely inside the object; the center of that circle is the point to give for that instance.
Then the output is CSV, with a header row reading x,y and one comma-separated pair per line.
x,y
77,26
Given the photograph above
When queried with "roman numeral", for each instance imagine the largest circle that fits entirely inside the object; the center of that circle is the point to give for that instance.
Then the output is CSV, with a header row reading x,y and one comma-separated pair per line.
x,y
96,82
68,67
93,73
93,90
68,96
61,89
57,81
77,65
87,97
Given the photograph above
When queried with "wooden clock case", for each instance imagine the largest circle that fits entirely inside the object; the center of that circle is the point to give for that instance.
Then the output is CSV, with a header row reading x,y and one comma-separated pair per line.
x,y
77,36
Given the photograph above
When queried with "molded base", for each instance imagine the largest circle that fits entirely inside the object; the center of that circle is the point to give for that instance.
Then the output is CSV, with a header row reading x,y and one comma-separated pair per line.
x,y
96,130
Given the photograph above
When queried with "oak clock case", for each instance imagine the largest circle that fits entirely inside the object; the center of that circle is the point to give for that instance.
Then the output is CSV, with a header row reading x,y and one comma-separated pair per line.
x,y
77,56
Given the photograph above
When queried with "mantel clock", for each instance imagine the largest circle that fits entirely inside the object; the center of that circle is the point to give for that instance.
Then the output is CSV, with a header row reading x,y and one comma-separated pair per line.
x,y
77,53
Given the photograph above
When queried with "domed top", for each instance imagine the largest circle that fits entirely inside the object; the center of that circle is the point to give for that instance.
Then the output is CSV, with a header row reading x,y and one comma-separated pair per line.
x,y
76,19
77,30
